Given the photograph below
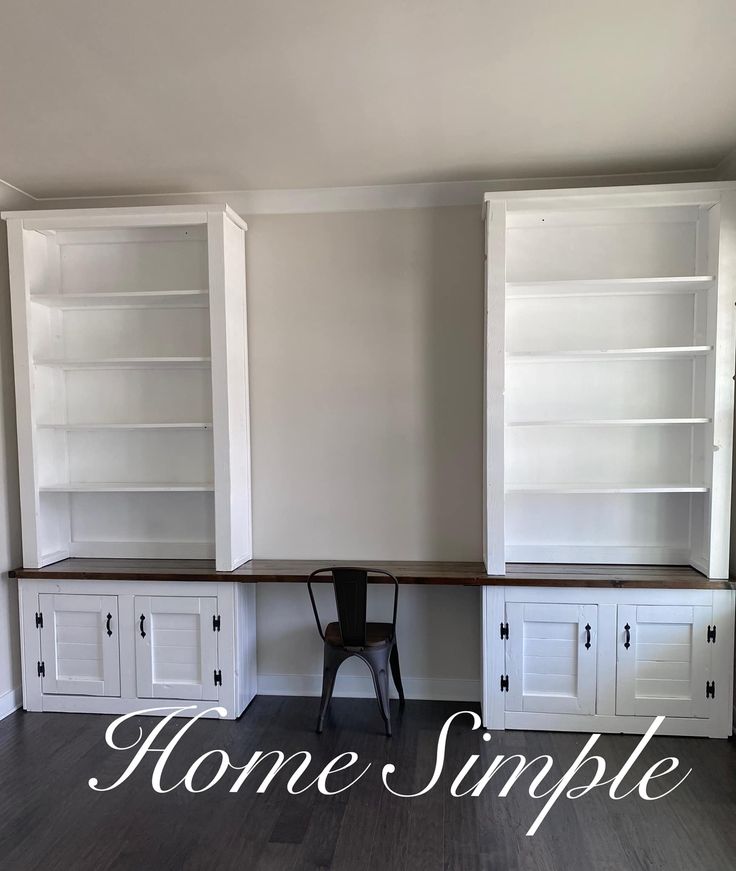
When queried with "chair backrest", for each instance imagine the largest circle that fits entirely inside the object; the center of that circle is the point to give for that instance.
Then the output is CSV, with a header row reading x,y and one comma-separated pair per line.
x,y
350,584
351,598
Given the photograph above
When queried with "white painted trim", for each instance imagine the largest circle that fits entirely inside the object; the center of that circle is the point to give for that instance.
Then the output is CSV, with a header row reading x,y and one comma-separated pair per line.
x,y
494,515
110,705
493,656
18,190
25,412
723,662
606,667
610,595
135,216
361,687
686,726
376,197
231,422
10,701
614,196
720,384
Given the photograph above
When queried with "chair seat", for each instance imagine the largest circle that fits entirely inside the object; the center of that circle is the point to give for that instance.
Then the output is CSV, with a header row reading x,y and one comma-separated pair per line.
x,y
376,634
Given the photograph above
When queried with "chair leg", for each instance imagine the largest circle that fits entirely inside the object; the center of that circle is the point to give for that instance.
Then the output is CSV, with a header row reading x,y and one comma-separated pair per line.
x,y
396,672
332,660
377,661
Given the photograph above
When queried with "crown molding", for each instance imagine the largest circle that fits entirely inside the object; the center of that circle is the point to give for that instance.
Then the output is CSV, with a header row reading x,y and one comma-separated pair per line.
x,y
17,190
369,198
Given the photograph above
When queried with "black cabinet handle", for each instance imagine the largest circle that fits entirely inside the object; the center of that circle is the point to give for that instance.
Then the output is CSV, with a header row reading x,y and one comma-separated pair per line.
x,y
627,630
587,636
143,631
109,619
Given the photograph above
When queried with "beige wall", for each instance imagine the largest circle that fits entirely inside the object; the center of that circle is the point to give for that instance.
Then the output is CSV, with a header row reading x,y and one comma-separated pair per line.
x,y
366,355
366,361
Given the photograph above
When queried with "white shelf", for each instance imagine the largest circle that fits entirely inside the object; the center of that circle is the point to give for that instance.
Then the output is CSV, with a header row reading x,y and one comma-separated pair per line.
x,y
128,299
609,354
607,286
85,427
127,363
126,487
605,488
640,421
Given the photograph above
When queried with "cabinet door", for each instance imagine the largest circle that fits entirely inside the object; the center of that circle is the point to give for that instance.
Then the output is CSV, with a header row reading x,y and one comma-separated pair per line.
x,y
80,645
551,658
176,647
663,660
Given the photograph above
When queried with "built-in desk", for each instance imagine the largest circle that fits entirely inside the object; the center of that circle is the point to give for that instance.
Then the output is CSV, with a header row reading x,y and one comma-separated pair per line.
x,y
566,647
470,574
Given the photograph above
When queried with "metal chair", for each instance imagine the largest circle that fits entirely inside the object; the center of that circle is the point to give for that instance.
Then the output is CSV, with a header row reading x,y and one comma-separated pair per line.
x,y
351,635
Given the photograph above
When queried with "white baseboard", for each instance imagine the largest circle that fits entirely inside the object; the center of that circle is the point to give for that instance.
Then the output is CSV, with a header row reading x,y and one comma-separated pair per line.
x,y
10,701
361,687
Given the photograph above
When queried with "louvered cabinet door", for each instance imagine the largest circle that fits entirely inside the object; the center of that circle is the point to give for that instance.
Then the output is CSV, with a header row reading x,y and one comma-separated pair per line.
x,y
176,647
80,647
551,658
663,660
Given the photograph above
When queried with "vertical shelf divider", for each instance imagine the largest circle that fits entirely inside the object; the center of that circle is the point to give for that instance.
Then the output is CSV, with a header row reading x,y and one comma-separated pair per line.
x,y
495,380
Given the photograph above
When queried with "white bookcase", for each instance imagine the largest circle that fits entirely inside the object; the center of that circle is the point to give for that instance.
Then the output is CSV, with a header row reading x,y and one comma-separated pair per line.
x,y
130,350
609,386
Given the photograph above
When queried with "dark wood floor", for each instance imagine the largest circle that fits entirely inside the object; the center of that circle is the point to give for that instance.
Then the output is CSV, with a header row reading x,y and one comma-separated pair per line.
x,y
50,819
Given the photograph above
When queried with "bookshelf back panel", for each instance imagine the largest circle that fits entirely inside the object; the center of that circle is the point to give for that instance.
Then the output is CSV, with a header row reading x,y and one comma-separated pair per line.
x,y
548,251
52,457
102,261
599,322
635,455
135,332
601,389
599,520
153,456
125,396
147,517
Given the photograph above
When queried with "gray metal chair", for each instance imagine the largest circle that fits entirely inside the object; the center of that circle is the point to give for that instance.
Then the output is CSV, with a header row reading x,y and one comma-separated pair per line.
x,y
351,635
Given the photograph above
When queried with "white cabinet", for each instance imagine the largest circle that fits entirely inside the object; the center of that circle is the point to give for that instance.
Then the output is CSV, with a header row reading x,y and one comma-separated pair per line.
x,y
114,647
664,660
80,650
608,660
551,658
131,380
176,647
609,390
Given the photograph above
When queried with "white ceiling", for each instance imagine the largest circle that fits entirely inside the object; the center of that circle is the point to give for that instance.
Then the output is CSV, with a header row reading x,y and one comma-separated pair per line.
x,y
205,95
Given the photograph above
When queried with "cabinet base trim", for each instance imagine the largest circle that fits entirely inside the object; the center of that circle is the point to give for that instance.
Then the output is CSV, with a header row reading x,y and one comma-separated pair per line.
x,y
685,726
109,705
10,701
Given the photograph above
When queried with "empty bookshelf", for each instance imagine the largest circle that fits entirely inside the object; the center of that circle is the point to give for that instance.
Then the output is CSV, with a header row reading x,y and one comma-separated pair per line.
x,y
130,351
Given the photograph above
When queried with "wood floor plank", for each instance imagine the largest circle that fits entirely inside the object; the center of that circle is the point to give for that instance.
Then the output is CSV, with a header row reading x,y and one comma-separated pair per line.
x,y
50,819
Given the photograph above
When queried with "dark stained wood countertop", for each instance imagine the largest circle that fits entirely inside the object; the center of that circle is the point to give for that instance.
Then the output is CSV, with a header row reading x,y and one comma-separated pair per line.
x,y
471,574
